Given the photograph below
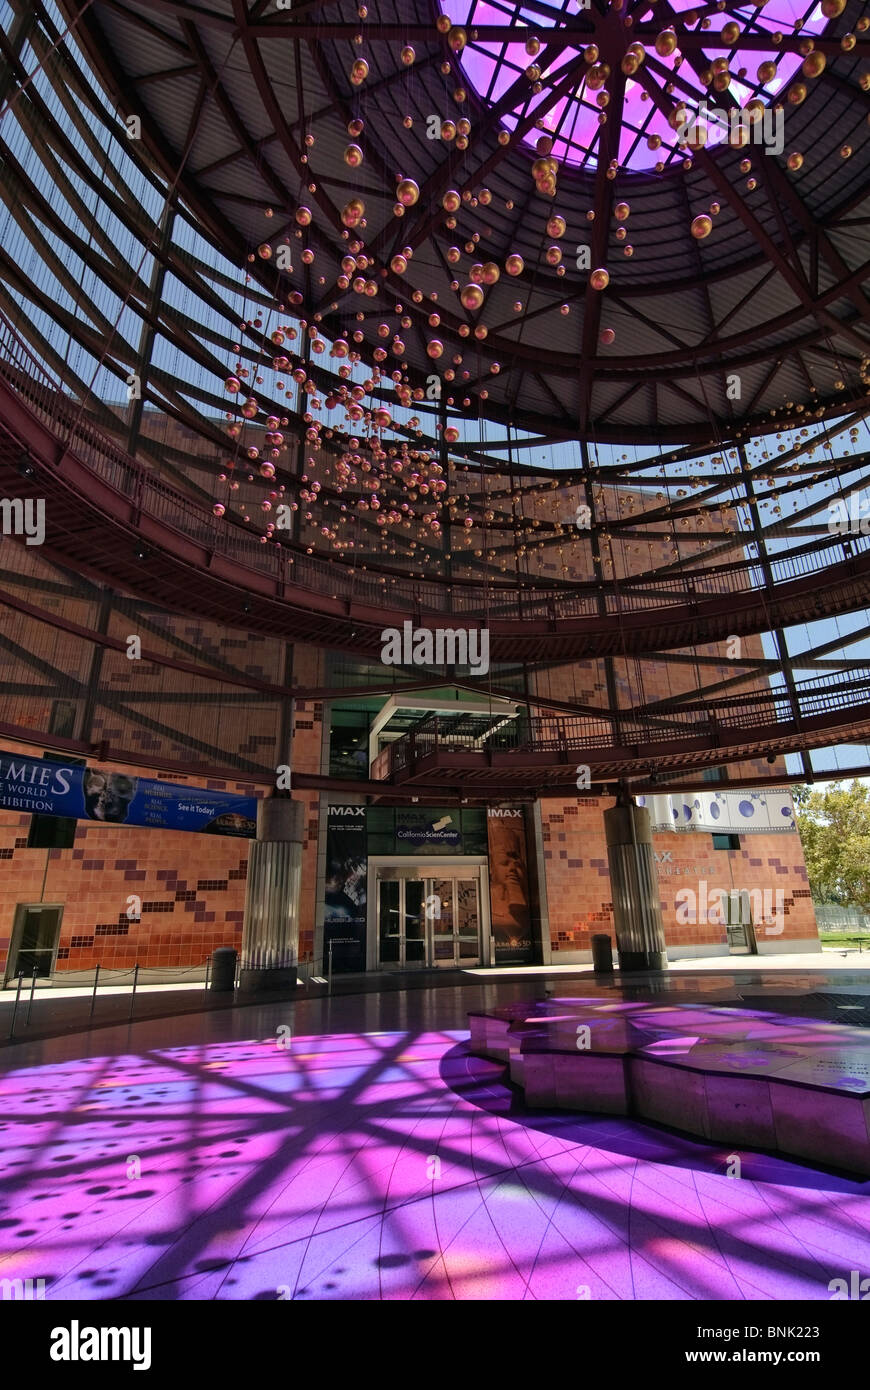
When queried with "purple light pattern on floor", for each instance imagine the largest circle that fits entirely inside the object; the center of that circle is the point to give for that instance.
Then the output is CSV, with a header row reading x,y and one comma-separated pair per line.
x,y
386,1166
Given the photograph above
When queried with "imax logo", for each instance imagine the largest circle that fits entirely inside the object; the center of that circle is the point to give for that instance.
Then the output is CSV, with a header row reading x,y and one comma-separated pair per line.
x,y
442,647
23,517
22,1289
76,1343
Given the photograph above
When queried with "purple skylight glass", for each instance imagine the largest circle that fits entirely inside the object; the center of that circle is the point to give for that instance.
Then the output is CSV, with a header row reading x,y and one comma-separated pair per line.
x,y
572,120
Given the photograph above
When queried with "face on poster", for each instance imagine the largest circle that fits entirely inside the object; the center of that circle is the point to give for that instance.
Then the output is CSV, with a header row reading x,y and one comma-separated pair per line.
x,y
508,882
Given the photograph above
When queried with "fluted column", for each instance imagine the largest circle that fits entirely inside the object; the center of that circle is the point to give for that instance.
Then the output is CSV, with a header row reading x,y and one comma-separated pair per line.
x,y
637,915
270,937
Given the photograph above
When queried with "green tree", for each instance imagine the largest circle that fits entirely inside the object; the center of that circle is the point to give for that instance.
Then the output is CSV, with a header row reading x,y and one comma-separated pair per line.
x,y
834,828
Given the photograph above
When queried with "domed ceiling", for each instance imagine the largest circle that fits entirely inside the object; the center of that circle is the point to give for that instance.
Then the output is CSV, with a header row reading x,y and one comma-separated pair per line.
x,y
633,222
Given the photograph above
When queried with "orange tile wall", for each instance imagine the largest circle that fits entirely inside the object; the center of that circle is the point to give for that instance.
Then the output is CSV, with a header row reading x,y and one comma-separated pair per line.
x,y
578,880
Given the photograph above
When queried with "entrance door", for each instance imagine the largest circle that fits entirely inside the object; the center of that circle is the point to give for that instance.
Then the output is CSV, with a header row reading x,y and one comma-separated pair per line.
x,y
401,922
456,926
427,918
34,941
741,933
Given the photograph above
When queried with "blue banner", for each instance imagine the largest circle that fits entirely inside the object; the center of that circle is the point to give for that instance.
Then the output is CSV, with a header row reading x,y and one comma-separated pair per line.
x,y
49,788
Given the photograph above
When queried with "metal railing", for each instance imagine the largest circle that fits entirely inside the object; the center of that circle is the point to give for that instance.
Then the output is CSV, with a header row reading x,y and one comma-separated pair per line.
x,y
102,977
64,416
556,733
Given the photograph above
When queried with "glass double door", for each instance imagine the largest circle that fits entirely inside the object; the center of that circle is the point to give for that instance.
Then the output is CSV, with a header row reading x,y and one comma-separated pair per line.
x,y
427,920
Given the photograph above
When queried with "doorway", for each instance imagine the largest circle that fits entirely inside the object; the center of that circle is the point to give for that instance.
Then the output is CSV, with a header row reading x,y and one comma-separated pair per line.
x,y
739,925
35,936
428,916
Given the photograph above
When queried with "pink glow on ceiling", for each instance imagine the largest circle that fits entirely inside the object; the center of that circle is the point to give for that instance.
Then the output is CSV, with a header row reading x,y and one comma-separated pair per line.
x,y
493,67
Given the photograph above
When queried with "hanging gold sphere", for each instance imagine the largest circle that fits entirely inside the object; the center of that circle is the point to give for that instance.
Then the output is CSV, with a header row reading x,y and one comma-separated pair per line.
x,y
264,251
448,130
353,156
355,128
795,161
598,75
457,38
832,9
814,64
621,211
407,192
398,264
408,55
359,72
451,202
599,279
730,33
490,273
553,255
702,226
797,93
303,217
666,42
556,226
435,348
353,212
514,264
766,72
471,297
607,336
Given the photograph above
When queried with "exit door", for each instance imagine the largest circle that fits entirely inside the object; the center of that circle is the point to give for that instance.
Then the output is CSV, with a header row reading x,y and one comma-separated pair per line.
x,y
34,940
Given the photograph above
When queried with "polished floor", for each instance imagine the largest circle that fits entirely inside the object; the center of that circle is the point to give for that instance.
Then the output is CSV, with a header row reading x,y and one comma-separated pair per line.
x,y
351,1148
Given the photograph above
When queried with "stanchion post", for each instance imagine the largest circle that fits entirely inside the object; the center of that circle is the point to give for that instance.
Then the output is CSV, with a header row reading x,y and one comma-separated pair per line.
x,y
30,1000
94,994
15,1005
133,992
330,967
207,966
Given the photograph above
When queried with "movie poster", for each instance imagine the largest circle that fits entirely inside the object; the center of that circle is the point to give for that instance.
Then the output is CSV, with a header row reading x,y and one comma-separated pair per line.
x,y
344,917
509,886
48,788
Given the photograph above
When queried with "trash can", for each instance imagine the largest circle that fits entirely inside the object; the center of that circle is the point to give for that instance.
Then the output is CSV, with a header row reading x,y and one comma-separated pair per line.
x,y
223,968
602,954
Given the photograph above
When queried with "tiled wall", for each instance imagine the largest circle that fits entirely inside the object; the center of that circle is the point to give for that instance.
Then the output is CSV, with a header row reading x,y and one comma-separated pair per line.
x,y
578,881
192,886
